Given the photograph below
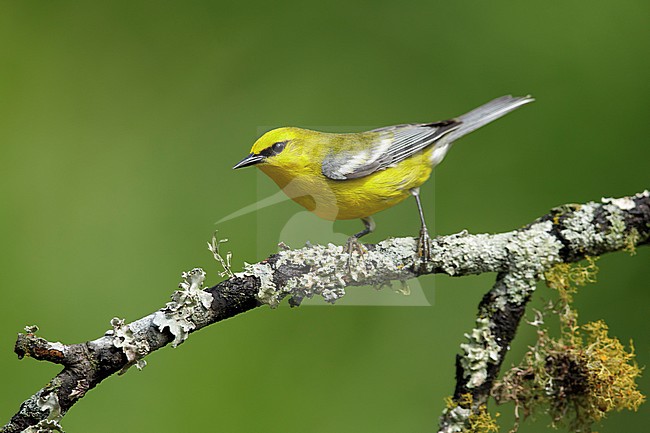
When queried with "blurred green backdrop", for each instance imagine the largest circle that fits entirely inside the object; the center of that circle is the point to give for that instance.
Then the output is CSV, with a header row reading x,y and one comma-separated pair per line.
x,y
120,121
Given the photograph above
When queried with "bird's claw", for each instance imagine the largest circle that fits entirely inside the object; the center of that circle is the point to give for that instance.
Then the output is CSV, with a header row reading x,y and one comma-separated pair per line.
x,y
424,250
354,246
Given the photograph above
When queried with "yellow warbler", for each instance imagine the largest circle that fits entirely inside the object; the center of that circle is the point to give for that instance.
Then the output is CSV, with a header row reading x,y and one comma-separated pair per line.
x,y
355,175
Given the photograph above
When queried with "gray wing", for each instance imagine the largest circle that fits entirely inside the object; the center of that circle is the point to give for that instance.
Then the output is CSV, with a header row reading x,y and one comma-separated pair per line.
x,y
391,145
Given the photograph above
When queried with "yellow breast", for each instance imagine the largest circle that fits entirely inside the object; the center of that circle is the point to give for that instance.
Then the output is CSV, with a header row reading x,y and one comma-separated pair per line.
x,y
354,198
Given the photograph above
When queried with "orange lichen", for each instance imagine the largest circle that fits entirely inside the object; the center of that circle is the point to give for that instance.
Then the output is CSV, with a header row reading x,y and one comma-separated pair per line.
x,y
578,377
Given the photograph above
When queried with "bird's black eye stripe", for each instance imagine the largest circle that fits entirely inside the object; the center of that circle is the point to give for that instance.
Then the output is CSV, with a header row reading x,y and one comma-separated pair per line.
x,y
274,149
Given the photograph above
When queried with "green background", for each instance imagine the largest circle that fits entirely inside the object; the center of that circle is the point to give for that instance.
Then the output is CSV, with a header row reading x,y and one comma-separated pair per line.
x,y
120,122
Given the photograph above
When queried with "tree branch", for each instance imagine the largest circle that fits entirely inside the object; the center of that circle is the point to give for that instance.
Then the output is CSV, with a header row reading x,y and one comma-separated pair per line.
x,y
519,258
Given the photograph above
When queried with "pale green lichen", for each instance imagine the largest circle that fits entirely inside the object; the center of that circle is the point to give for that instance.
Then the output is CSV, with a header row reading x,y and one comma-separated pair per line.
x,y
479,351
267,292
455,418
190,306
616,219
458,417
626,203
579,228
50,403
583,232
329,271
133,348
45,426
530,253
525,253
467,254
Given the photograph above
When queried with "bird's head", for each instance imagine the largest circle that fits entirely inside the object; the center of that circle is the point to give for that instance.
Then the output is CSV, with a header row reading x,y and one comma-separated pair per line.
x,y
281,147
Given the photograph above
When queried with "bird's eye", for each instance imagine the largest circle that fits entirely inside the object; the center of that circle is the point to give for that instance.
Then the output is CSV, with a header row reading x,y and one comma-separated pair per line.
x,y
278,147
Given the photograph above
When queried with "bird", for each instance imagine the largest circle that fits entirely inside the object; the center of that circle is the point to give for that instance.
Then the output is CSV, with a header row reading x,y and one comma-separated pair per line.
x,y
342,176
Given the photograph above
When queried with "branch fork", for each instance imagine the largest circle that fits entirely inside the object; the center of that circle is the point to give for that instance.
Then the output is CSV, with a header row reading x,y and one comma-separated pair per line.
x,y
519,258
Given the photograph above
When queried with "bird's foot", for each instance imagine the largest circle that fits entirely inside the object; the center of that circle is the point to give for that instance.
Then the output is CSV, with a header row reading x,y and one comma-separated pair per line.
x,y
353,246
425,246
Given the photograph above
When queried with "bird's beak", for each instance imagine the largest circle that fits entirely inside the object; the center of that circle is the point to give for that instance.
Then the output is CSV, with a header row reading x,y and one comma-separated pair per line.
x,y
251,159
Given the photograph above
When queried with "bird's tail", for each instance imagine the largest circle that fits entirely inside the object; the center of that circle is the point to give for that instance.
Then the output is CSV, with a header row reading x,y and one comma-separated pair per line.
x,y
487,113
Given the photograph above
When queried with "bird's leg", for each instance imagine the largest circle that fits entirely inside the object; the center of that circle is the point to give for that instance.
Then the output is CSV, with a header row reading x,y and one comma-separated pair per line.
x,y
353,244
424,241
370,225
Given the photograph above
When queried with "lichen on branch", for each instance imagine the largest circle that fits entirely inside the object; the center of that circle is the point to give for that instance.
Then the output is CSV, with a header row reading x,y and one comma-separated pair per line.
x,y
577,377
520,259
